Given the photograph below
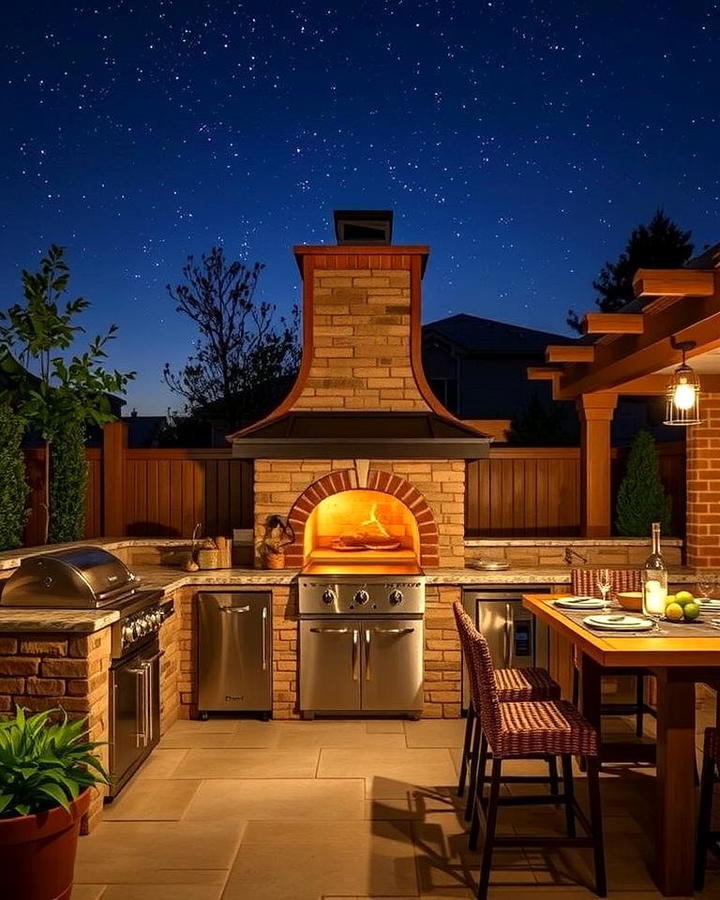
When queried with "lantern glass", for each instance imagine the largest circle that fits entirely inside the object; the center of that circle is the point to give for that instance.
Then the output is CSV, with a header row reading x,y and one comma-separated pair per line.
x,y
682,398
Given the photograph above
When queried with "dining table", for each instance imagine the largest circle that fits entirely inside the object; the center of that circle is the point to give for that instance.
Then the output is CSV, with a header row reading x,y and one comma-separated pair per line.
x,y
679,656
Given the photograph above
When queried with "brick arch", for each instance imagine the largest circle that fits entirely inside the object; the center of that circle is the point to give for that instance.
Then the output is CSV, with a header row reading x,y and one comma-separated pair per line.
x,y
346,480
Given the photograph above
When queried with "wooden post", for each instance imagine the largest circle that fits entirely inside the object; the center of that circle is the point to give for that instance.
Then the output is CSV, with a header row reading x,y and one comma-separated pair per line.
x,y
115,442
596,412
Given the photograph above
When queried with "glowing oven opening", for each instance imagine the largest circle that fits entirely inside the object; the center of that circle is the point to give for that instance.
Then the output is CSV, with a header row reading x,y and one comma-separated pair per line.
x,y
361,525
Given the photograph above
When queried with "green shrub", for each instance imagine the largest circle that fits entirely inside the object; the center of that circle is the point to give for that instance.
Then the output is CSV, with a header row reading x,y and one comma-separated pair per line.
x,y
68,483
641,498
13,486
45,764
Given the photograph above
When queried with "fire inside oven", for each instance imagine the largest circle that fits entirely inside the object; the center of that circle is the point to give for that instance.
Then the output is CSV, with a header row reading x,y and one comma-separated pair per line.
x,y
361,527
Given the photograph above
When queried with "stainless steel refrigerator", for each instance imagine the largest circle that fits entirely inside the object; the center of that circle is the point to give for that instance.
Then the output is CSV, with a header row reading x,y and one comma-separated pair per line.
x,y
234,652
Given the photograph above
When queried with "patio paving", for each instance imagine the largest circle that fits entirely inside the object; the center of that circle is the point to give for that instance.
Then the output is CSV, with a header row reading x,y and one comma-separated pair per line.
x,y
336,811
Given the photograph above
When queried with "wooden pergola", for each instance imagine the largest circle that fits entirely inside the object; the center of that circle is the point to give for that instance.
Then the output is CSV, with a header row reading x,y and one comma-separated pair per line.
x,y
633,355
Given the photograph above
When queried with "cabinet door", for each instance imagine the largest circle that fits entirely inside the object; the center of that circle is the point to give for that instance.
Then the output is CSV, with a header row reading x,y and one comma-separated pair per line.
x,y
392,670
329,665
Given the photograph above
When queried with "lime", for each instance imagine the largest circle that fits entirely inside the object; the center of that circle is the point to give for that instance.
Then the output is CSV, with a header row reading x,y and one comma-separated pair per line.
x,y
674,612
683,597
691,611
671,598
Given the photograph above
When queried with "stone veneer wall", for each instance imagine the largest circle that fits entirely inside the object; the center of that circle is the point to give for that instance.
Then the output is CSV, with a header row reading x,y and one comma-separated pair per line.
x,y
44,671
703,486
598,553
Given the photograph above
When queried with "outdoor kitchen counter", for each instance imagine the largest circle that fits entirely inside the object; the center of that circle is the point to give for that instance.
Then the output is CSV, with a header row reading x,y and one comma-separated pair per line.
x,y
45,621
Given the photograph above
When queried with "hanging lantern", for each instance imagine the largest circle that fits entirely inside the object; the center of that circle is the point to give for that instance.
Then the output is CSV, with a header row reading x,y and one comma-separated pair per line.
x,y
682,397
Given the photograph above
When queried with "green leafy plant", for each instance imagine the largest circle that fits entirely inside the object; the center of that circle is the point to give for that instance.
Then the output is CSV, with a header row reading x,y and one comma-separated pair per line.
x,y
13,486
49,387
44,764
641,498
68,483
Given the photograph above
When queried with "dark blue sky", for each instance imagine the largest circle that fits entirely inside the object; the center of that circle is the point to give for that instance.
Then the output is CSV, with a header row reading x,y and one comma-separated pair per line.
x,y
521,140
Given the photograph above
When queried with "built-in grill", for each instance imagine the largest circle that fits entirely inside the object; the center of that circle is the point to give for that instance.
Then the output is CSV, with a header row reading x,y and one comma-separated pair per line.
x,y
90,578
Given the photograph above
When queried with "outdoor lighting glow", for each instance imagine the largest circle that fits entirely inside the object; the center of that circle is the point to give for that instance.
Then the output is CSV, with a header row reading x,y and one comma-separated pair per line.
x,y
682,398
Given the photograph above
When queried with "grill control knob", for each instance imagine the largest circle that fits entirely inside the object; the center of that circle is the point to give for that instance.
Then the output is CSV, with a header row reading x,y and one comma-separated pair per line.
x,y
395,597
328,596
361,597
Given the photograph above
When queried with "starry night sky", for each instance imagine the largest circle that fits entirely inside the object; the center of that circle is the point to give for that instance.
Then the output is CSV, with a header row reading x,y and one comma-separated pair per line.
x,y
521,140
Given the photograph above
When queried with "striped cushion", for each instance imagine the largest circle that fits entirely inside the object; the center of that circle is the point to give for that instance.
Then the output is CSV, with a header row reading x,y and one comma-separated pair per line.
x,y
711,747
517,685
546,727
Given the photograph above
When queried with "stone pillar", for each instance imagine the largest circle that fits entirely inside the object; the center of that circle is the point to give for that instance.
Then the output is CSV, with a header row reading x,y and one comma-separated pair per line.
x,y
703,486
596,413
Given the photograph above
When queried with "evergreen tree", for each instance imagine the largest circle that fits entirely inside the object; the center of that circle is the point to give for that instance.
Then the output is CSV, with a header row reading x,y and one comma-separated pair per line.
x,y
544,424
13,485
659,245
641,499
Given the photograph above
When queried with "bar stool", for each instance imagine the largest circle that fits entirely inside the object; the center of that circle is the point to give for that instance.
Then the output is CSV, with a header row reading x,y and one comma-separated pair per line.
x,y
526,730
514,685
707,839
584,583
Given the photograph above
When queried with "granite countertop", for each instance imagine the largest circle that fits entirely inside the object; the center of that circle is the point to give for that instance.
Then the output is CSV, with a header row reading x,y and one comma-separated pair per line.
x,y
83,621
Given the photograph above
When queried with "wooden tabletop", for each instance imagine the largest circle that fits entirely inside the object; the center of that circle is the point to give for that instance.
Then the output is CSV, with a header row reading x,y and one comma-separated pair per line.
x,y
608,650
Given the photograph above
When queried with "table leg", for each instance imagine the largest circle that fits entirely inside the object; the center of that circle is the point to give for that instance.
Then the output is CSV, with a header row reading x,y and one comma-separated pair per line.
x,y
590,690
675,788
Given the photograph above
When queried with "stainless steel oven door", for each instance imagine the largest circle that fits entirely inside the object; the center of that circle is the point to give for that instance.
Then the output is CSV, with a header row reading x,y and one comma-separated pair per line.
x,y
392,670
330,665
134,713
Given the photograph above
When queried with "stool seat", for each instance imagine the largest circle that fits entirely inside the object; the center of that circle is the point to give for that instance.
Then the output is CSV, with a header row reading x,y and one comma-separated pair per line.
x,y
543,728
519,685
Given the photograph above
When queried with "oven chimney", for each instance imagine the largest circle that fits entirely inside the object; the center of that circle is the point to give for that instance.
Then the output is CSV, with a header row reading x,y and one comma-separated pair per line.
x,y
363,227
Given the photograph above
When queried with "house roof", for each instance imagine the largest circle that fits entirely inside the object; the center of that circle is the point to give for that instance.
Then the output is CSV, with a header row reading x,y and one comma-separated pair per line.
x,y
474,334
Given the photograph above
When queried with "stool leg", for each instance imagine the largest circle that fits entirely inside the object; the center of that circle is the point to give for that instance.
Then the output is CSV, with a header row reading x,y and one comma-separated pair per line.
x,y
593,777
569,791
490,827
479,791
639,705
704,816
470,721
473,770
553,773
576,686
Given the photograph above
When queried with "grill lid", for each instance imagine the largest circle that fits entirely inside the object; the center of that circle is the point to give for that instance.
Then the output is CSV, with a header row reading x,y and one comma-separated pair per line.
x,y
78,578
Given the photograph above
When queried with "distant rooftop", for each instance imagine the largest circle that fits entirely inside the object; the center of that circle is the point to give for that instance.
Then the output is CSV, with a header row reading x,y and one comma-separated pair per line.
x,y
477,335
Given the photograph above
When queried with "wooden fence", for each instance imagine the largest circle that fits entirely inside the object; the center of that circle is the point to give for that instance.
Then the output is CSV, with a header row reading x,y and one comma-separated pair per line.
x,y
535,491
516,492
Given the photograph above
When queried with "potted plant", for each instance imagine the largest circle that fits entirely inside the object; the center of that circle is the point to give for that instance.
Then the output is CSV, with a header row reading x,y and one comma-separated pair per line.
x,y
47,771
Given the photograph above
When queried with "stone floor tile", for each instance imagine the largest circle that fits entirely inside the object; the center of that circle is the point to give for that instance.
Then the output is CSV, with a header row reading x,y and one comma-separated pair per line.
x,y
283,799
88,891
347,859
249,763
217,724
435,733
150,799
193,739
158,853
253,733
161,763
162,892
392,774
385,726
351,735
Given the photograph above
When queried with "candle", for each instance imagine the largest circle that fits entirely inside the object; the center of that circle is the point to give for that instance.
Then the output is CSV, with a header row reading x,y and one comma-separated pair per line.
x,y
655,596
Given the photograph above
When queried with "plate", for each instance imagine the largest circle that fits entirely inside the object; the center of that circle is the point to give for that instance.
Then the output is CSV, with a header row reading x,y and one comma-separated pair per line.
x,y
489,565
618,622
579,603
707,604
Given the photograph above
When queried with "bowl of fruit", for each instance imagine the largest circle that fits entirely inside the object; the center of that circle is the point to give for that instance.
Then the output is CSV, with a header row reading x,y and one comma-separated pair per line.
x,y
682,607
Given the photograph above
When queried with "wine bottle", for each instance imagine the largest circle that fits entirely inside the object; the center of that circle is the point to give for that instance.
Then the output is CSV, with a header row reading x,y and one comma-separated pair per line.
x,y
655,578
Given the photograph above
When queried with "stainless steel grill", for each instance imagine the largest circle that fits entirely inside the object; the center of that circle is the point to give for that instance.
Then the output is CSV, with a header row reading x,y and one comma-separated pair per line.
x,y
77,578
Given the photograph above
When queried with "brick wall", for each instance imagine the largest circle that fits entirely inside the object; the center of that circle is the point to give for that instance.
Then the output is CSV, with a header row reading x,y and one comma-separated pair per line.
x,y
703,487
360,341
44,671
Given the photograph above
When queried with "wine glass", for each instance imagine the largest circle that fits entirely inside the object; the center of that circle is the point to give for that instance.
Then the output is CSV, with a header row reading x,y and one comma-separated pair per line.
x,y
603,584
706,581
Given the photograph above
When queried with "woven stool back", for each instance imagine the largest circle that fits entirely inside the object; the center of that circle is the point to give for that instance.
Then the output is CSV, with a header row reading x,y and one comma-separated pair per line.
x,y
584,581
481,673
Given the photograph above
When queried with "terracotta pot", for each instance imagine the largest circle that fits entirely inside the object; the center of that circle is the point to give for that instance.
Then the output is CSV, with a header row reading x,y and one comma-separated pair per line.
x,y
275,560
37,853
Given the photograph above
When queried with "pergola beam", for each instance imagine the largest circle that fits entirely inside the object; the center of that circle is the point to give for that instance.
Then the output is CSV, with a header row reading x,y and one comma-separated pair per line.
x,y
542,373
567,353
674,283
613,323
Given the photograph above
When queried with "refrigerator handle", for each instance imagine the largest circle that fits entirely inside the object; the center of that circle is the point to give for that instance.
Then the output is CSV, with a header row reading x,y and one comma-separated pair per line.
x,y
367,654
507,634
355,654
235,609
264,638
